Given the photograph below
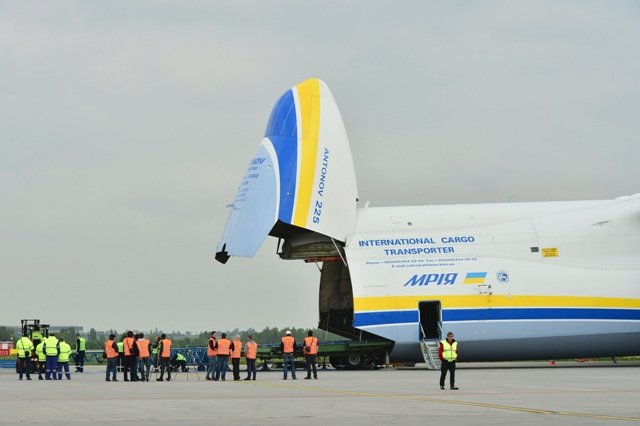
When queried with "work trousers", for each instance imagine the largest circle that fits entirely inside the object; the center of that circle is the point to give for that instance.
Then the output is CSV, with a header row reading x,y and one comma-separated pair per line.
x,y
40,367
164,364
251,369
311,365
290,361
24,367
211,368
51,368
64,366
112,367
221,368
449,366
144,368
79,361
236,368
130,366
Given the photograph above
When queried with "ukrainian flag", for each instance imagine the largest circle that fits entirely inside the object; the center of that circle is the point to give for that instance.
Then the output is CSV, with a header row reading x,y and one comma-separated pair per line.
x,y
475,278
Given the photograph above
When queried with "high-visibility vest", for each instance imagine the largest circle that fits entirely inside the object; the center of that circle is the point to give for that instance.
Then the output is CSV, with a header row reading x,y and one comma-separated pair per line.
x,y
288,342
40,352
214,351
23,345
65,352
180,357
143,348
166,348
51,346
223,347
311,345
449,351
128,345
36,335
108,349
237,349
81,344
120,346
252,350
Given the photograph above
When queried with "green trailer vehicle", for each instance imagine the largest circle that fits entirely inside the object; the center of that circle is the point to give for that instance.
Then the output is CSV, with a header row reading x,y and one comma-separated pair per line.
x,y
340,354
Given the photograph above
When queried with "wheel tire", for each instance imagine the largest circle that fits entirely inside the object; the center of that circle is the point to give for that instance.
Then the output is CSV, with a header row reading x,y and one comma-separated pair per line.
x,y
355,361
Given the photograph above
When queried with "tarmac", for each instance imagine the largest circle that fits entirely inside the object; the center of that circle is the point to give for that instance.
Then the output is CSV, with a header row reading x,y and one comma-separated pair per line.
x,y
490,394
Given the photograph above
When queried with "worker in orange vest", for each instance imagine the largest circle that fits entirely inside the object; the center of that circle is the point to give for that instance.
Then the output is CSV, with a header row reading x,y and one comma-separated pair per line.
x,y
236,354
251,354
129,357
310,353
144,357
165,356
111,355
225,347
212,354
288,347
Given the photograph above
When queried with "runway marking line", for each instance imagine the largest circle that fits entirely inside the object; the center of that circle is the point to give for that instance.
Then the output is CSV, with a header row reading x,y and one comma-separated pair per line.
x,y
449,401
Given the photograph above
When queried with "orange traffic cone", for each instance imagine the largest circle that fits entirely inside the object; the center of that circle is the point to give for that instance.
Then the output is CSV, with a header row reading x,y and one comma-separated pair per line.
x,y
552,362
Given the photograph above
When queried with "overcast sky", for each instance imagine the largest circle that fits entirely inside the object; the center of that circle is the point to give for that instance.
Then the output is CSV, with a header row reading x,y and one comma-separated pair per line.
x,y
126,127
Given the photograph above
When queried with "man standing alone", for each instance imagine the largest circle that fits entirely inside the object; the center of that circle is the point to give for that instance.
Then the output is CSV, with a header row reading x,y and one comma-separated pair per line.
x,y
448,353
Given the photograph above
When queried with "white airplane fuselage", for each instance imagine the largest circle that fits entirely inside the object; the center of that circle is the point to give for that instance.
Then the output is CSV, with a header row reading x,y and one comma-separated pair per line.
x,y
513,281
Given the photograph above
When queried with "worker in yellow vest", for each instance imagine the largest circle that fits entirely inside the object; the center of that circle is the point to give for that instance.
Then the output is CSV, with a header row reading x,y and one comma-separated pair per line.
x,y
81,347
251,354
36,336
63,359
310,354
120,345
288,347
51,350
42,360
236,354
448,354
25,349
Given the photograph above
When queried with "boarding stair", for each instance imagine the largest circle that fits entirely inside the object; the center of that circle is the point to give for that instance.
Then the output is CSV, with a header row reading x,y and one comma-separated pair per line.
x,y
429,349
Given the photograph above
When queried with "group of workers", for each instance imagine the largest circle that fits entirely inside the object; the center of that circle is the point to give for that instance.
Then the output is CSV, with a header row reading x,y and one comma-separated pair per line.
x,y
49,354
220,351
134,355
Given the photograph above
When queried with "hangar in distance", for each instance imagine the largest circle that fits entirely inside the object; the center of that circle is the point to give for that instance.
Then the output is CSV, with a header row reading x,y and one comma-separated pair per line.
x,y
515,281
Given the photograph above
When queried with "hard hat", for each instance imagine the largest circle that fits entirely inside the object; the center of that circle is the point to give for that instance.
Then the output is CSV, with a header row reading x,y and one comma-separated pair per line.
x,y
287,332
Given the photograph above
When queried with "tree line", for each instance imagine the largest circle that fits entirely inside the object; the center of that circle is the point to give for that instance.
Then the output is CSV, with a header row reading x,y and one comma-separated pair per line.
x,y
95,339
